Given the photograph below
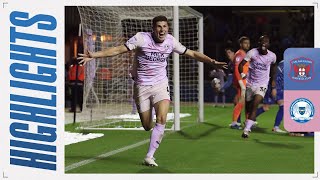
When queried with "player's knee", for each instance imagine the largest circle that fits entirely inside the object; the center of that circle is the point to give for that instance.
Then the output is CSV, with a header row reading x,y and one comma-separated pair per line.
x,y
162,119
147,127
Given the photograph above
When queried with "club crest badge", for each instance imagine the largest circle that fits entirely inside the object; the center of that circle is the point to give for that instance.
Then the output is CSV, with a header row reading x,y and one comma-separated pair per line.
x,y
166,46
301,69
301,110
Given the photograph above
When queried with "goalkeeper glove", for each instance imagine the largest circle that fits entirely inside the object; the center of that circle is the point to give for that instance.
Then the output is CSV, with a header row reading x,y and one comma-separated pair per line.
x,y
243,75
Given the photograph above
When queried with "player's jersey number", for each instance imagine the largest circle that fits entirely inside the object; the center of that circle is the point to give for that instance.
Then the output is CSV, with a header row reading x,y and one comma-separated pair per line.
x,y
263,89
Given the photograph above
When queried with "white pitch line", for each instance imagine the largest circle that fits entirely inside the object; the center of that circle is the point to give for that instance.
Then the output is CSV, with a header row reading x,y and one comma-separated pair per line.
x,y
110,153
88,161
241,141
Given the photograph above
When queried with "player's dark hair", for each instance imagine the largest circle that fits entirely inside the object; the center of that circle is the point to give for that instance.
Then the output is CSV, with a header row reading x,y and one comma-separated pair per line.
x,y
263,36
243,38
157,19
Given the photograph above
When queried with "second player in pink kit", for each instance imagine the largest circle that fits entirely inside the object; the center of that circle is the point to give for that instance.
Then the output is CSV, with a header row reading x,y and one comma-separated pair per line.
x,y
152,50
259,69
261,61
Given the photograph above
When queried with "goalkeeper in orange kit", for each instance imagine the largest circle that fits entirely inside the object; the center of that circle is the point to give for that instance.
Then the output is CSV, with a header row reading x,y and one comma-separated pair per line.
x,y
238,82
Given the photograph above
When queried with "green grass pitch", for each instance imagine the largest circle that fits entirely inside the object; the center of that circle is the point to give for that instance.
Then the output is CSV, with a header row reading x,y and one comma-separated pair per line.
x,y
210,147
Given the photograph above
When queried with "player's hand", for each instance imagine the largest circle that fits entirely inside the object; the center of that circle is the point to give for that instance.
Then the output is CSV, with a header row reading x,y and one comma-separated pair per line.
x,y
223,64
243,75
225,67
84,58
243,89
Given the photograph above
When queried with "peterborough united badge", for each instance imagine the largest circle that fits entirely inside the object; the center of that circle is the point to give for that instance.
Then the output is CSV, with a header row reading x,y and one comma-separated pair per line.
x,y
302,110
166,46
301,69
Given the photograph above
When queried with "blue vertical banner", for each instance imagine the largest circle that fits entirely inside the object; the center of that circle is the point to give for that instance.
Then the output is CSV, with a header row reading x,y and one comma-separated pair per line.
x,y
32,89
302,89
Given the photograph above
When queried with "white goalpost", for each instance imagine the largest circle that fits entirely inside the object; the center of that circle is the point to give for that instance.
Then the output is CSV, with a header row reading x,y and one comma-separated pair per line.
x,y
108,102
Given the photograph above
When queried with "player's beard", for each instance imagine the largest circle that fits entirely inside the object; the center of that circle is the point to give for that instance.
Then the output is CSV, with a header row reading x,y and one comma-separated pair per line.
x,y
245,49
263,51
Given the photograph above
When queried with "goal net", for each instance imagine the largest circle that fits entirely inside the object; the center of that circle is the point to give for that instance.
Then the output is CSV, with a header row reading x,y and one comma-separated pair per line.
x,y
108,89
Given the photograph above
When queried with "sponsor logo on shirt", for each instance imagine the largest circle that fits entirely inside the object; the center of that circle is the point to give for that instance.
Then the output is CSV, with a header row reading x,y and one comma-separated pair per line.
x,y
260,66
156,56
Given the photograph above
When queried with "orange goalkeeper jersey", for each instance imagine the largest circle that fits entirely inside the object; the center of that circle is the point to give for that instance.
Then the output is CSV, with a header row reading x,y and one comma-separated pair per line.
x,y
239,56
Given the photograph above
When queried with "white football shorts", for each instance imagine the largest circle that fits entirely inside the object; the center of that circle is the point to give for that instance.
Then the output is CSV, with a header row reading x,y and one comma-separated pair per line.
x,y
147,96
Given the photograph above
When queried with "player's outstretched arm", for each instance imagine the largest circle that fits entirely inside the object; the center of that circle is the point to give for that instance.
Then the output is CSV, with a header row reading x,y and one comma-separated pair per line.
x,y
203,58
109,52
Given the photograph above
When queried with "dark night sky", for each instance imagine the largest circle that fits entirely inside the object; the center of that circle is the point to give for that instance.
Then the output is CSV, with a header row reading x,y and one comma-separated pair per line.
x,y
224,25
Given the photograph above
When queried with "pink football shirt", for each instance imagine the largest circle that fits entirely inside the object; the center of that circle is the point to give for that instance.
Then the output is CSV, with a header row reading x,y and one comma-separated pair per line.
x,y
150,62
259,68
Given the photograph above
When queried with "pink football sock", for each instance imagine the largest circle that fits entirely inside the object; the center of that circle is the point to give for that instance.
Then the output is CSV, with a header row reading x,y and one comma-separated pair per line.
x,y
249,124
155,139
